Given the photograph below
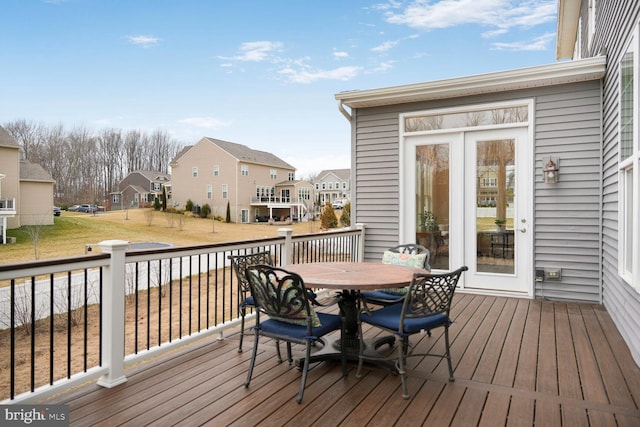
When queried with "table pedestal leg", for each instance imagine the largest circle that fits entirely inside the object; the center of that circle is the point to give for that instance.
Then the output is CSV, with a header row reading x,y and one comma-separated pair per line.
x,y
331,346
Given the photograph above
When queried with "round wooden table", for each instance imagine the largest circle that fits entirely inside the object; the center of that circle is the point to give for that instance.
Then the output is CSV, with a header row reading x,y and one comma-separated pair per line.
x,y
351,278
355,276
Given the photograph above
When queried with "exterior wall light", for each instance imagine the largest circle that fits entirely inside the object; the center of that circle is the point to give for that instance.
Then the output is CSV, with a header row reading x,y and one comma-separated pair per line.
x,y
550,171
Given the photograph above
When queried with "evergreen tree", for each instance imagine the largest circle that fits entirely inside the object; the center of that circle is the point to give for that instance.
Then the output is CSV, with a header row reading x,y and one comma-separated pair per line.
x,y
328,219
345,218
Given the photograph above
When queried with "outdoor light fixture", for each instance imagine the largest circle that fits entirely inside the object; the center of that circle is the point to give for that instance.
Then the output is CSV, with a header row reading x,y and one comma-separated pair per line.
x,y
550,171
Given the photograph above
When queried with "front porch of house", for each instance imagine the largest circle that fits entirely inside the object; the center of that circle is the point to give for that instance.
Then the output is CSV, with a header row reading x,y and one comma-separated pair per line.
x,y
517,362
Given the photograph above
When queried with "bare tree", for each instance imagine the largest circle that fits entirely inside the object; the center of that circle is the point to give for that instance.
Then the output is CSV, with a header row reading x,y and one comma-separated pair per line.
x,y
28,135
35,232
88,166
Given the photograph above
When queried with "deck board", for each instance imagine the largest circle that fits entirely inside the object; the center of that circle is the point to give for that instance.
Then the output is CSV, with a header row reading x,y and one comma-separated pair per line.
x,y
517,362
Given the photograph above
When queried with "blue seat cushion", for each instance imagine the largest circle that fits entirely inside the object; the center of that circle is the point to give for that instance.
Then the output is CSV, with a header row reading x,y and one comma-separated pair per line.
x,y
389,318
382,295
329,323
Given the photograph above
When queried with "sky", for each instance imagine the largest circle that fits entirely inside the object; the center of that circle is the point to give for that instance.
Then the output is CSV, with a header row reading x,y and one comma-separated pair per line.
x,y
259,73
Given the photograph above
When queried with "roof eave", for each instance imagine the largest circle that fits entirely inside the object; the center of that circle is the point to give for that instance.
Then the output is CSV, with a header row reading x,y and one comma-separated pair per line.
x,y
524,78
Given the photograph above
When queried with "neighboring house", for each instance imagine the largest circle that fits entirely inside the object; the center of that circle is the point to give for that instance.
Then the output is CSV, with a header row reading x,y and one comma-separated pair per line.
x,y
333,184
577,239
26,189
255,184
140,188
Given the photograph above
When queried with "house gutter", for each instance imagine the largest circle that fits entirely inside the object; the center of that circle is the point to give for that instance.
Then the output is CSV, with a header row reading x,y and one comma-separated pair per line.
x,y
524,78
344,112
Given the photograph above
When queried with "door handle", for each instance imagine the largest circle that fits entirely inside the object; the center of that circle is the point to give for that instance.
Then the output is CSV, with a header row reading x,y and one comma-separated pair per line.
x,y
523,229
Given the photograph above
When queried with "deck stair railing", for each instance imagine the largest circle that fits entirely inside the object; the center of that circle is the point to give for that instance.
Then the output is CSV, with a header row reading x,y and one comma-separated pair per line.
x,y
71,320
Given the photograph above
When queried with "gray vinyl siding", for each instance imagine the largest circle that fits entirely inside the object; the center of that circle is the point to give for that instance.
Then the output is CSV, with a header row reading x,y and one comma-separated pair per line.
x,y
567,214
616,22
567,227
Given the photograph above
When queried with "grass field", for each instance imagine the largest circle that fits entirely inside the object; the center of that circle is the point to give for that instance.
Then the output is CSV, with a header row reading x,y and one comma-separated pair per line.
x,y
72,231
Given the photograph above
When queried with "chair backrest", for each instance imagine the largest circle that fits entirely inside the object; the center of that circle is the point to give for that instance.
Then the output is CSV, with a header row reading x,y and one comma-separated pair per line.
x,y
431,294
281,295
241,262
413,249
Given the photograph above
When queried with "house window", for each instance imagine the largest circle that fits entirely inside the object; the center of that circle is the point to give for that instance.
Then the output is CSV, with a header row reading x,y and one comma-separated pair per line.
x,y
273,173
489,182
344,185
216,170
194,171
225,191
324,186
244,170
629,166
209,191
317,186
116,199
480,117
331,186
292,176
304,193
156,186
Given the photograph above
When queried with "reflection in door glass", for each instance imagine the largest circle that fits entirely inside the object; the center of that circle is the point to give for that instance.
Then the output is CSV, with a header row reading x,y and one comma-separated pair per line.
x,y
432,202
495,194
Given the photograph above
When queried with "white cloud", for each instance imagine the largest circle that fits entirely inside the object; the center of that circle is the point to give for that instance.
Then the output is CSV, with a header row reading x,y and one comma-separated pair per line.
x,y
306,76
538,44
293,70
255,51
204,122
384,66
385,46
494,33
501,14
144,41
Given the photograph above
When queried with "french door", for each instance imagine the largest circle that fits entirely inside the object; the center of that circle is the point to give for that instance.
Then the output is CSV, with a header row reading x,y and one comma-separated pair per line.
x,y
467,197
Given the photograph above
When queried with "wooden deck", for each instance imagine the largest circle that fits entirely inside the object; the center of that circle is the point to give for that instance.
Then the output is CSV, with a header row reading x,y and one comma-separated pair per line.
x,y
517,362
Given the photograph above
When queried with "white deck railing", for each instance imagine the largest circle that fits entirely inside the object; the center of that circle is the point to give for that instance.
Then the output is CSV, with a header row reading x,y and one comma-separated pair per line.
x,y
49,301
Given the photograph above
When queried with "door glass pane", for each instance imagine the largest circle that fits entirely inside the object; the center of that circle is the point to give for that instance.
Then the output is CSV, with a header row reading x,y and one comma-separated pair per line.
x,y
495,194
432,202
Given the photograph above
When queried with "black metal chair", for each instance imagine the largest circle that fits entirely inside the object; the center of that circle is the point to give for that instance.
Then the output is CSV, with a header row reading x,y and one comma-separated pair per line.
x,y
426,306
386,297
283,297
240,264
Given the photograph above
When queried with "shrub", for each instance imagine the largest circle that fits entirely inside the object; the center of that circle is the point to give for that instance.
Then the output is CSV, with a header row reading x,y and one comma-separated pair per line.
x,y
228,219
188,206
328,217
345,218
205,211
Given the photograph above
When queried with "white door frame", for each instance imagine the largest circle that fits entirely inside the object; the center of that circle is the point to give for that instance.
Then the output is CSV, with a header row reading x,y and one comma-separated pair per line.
x,y
458,254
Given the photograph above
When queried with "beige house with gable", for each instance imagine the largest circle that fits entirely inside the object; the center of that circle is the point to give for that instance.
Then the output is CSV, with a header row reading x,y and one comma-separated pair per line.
x,y
256,185
26,189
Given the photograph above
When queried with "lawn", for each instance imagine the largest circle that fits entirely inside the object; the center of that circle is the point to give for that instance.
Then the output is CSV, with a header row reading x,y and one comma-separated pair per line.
x,y
72,231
